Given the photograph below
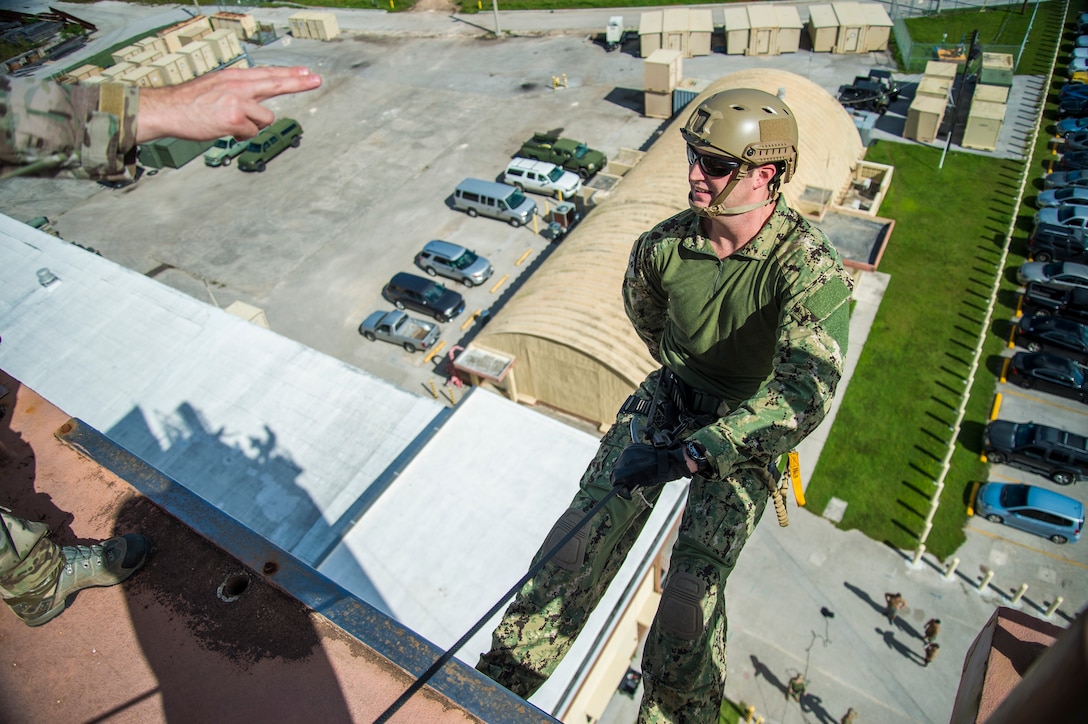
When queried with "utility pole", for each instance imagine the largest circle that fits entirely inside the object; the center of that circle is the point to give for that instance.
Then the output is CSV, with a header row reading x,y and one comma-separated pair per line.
x,y
973,51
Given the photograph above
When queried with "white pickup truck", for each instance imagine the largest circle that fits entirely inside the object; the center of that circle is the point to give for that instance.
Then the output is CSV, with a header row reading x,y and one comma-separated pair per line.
x,y
397,327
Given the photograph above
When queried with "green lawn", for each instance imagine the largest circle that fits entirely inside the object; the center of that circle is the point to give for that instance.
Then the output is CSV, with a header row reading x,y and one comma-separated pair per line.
x,y
892,430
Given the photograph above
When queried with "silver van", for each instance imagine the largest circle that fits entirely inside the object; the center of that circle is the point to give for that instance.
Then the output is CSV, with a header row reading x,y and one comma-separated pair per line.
x,y
489,198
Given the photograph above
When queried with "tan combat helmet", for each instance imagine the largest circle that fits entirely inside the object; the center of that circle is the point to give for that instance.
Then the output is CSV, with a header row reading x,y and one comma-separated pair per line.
x,y
750,126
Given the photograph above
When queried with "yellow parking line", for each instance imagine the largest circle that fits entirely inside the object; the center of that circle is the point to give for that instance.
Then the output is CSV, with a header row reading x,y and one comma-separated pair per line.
x,y
434,350
1051,404
1030,548
971,499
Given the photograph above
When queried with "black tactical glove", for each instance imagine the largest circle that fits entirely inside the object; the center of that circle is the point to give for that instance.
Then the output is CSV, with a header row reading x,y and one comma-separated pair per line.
x,y
640,464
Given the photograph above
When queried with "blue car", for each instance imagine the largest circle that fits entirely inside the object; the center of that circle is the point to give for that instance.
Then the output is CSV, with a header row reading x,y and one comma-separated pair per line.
x,y
1035,510
1073,89
1071,125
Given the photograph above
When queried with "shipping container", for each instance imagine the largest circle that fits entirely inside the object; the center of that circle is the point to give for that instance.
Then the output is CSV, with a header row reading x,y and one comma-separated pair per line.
x,y
736,30
823,28
658,105
171,152
662,71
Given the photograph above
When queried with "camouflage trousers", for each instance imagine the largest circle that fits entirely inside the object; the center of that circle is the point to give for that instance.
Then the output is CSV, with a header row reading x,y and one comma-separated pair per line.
x,y
683,661
30,563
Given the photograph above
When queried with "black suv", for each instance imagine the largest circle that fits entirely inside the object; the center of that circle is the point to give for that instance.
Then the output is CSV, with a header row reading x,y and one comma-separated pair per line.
x,y
1040,301
1052,242
1061,456
423,295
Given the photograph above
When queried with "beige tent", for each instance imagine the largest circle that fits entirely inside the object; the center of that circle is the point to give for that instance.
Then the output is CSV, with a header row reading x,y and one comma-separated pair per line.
x,y
571,343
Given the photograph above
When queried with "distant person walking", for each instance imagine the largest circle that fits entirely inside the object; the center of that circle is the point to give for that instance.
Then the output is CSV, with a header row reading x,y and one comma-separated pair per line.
x,y
849,717
931,651
933,627
895,602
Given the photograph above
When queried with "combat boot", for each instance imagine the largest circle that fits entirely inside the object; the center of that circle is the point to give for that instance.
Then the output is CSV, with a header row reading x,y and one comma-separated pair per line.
x,y
100,564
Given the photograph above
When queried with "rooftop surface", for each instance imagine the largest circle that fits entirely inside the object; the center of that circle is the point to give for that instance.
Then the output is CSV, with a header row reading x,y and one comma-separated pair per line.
x,y
195,635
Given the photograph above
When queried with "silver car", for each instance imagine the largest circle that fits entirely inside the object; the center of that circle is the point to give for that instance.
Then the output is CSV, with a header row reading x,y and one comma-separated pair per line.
x,y
1062,274
1057,197
454,262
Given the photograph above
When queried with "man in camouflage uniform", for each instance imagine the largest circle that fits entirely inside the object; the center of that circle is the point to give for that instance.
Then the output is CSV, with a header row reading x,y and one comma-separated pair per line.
x,y
91,132
745,305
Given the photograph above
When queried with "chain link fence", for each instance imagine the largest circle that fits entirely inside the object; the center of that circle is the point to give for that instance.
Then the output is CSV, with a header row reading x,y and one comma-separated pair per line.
x,y
913,56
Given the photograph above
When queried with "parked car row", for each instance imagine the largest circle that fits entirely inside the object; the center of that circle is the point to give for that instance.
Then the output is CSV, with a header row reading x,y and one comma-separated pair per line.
x,y
411,291
546,164
1052,332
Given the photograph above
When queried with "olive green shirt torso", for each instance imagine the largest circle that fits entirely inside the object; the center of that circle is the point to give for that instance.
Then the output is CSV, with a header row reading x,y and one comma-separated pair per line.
x,y
764,329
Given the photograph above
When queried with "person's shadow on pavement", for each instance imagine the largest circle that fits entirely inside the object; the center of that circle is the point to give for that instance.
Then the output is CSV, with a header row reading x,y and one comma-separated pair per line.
x,y
766,673
814,704
908,629
908,652
879,608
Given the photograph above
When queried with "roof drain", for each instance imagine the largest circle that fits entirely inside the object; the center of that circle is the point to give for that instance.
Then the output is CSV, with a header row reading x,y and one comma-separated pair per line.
x,y
232,587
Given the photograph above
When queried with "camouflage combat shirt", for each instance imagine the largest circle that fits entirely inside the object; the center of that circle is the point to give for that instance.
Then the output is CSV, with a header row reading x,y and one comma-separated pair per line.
x,y
764,330
72,131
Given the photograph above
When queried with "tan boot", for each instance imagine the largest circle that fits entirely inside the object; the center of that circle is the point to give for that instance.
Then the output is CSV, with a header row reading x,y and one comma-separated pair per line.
x,y
100,564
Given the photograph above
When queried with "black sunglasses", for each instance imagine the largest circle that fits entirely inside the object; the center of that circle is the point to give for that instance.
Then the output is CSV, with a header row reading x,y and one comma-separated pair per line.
x,y
712,166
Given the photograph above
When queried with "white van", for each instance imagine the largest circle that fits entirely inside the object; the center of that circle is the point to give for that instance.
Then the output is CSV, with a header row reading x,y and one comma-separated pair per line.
x,y
499,201
542,177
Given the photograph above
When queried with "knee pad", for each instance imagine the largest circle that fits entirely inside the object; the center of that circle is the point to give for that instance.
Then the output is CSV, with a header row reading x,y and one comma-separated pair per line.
x,y
681,610
571,556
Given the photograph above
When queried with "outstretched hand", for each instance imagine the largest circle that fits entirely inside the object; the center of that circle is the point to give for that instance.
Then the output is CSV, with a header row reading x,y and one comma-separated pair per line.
x,y
223,103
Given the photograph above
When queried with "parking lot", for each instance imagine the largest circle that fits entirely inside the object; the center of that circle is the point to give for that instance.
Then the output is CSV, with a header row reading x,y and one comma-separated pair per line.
x,y
397,124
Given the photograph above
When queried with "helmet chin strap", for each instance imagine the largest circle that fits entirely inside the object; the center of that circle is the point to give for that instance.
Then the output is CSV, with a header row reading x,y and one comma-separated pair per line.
x,y
718,209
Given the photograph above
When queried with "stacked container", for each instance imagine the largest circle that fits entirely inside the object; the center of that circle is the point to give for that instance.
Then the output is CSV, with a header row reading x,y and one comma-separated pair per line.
x,y
313,25
661,73
241,24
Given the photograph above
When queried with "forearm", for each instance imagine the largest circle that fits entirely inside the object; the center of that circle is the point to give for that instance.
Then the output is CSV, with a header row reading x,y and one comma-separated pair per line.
x,y
67,130
224,103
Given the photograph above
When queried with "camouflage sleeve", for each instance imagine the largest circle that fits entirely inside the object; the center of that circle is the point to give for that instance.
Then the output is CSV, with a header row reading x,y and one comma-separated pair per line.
x,y
643,299
70,131
812,342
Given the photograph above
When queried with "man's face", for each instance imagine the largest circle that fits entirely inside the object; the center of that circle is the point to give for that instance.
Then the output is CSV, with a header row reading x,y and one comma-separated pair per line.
x,y
708,176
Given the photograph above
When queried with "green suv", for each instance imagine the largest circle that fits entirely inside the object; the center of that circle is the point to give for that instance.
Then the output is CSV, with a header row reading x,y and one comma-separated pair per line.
x,y
268,144
570,154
